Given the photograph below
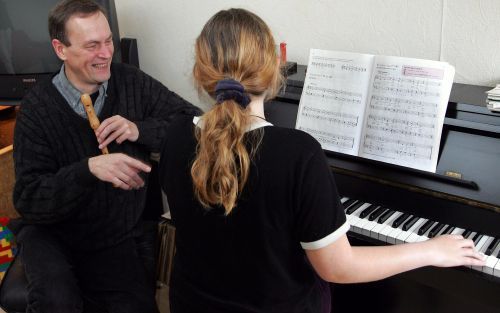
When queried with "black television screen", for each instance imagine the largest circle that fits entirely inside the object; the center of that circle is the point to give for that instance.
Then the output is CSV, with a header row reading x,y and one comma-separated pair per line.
x,y
26,54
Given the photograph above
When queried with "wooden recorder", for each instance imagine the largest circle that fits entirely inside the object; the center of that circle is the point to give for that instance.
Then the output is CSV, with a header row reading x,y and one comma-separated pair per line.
x,y
93,120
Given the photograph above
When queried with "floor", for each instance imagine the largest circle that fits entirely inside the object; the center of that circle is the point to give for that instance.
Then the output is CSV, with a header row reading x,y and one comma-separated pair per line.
x,y
161,300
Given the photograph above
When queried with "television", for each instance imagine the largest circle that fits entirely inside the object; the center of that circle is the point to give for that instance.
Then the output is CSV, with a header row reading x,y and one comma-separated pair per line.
x,y
26,53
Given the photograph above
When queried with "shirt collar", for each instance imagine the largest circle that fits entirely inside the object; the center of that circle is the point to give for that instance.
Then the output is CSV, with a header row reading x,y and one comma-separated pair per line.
x,y
254,125
72,95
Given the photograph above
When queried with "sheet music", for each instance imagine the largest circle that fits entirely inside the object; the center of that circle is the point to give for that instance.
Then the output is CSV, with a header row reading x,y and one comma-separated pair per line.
x,y
333,100
405,111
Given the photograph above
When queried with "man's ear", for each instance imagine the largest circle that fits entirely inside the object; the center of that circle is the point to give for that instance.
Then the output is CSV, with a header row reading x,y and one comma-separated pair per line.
x,y
59,48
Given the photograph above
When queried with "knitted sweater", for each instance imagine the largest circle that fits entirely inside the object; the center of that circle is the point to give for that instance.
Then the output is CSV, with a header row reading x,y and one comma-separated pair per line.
x,y
52,145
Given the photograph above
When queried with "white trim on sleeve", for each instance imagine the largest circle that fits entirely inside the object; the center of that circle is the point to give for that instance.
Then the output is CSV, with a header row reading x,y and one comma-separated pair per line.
x,y
325,241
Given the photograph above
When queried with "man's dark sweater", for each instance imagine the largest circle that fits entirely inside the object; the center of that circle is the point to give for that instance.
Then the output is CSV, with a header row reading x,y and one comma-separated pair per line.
x,y
52,145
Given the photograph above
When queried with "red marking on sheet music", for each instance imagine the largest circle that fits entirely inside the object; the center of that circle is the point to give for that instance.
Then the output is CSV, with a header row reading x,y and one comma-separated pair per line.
x,y
423,72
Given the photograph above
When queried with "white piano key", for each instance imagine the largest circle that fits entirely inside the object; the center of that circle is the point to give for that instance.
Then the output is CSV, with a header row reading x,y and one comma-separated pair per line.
x,y
481,247
483,244
368,229
442,230
388,226
375,231
358,222
369,226
425,236
457,231
496,271
394,233
489,267
414,236
491,262
472,234
343,200
357,211
361,224
406,233
353,218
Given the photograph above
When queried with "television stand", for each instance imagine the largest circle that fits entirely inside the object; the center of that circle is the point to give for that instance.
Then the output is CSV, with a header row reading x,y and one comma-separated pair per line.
x,y
7,123
8,103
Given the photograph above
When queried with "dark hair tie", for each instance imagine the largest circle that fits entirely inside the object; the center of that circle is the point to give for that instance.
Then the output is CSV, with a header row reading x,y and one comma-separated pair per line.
x,y
230,89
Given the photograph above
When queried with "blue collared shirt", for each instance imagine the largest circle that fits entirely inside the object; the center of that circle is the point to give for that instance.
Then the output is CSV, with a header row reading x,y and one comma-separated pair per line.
x,y
72,95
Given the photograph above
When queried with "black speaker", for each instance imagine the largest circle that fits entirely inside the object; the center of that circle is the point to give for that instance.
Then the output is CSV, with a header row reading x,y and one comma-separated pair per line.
x,y
130,54
109,6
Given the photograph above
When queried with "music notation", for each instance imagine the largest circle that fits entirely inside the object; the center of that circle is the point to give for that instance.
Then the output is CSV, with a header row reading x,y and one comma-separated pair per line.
x,y
332,91
385,146
411,92
403,143
353,68
375,149
334,98
405,102
323,65
393,131
332,117
391,109
409,81
402,111
331,139
377,119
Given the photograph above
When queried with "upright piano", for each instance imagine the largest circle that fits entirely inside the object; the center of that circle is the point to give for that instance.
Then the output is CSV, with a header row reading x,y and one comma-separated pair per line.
x,y
389,204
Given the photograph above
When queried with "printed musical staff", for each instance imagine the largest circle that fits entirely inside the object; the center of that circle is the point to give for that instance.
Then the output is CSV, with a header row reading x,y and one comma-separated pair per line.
x,y
406,102
409,92
376,119
353,68
401,111
332,91
393,131
330,139
409,81
345,119
323,64
391,147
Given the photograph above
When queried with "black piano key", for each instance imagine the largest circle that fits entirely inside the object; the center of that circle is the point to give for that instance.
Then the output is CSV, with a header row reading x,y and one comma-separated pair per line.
x,y
446,229
476,238
435,230
385,216
466,233
354,207
400,220
375,214
493,245
424,228
410,223
449,230
348,203
367,211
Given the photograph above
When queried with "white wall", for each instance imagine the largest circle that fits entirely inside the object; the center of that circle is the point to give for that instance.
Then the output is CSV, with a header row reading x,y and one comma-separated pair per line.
x,y
465,33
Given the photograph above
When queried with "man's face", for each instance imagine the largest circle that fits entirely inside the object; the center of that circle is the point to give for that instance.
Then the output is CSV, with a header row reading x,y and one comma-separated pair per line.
x,y
88,57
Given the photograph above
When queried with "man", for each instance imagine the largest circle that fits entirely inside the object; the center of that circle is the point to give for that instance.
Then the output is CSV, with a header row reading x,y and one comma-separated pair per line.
x,y
81,209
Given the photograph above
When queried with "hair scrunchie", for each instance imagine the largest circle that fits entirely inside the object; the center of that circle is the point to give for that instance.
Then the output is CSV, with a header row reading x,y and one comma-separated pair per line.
x,y
230,89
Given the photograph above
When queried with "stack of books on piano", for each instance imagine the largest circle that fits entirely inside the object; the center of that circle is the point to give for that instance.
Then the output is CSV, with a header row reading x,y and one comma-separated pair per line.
x,y
493,100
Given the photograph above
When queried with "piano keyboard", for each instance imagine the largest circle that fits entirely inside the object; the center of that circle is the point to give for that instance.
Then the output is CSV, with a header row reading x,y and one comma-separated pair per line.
x,y
394,227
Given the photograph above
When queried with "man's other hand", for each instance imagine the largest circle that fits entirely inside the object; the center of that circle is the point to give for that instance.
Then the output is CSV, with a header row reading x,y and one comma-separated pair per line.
x,y
119,169
116,128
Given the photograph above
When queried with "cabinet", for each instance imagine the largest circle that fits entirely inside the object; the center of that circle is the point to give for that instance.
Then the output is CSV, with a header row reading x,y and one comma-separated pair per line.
x,y
7,178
